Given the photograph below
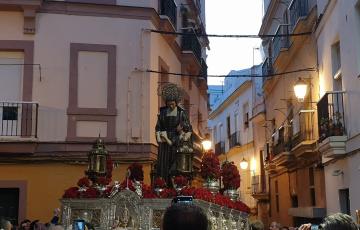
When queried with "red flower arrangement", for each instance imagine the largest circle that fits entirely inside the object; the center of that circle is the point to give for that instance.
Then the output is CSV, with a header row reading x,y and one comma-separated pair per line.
x,y
128,184
83,182
72,192
168,193
136,172
230,175
210,166
159,183
90,193
180,181
103,181
148,192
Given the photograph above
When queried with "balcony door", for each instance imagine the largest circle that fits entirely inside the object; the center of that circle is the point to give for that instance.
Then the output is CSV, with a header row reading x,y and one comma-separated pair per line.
x,y
9,204
11,75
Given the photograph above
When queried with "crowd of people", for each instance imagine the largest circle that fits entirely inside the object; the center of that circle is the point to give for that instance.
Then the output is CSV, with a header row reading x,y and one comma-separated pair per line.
x,y
27,224
191,217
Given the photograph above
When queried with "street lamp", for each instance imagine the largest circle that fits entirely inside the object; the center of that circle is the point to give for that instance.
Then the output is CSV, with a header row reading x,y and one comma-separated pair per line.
x,y
300,89
244,164
206,143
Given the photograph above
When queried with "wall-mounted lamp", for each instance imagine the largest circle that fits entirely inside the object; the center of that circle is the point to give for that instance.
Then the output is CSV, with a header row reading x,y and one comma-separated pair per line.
x,y
206,143
244,164
300,89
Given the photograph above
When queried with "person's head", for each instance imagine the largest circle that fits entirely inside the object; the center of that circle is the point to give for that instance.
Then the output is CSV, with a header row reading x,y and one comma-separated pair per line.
x,y
5,224
275,226
256,225
25,224
171,104
184,216
339,221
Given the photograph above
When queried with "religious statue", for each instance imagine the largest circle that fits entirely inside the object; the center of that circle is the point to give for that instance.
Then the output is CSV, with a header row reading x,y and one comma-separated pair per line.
x,y
173,131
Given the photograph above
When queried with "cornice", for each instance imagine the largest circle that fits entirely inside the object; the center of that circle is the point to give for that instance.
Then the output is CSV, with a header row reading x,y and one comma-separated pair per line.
x,y
230,99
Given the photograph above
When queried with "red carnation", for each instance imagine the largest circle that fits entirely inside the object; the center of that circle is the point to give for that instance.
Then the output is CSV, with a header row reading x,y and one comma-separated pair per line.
x,y
83,182
180,181
91,193
210,167
72,192
159,183
103,180
230,175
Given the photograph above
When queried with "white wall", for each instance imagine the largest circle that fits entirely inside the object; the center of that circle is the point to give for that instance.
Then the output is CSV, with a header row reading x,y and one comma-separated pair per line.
x,y
342,24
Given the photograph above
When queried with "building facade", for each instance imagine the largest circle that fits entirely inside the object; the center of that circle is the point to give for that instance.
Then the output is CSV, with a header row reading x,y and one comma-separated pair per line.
x,y
232,130
290,153
338,36
72,71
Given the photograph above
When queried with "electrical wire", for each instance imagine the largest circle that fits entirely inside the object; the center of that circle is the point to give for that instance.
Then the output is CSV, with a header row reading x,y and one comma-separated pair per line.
x,y
312,69
229,35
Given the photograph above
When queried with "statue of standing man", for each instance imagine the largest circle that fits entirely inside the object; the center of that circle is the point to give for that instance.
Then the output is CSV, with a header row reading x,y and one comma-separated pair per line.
x,y
171,126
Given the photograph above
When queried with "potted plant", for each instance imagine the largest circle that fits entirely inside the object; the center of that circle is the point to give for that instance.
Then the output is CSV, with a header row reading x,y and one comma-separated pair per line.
x,y
338,129
159,185
210,171
231,179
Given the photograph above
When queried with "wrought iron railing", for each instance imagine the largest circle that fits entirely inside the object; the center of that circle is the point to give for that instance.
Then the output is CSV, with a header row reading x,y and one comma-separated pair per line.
x,y
190,42
331,115
258,184
298,9
280,42
306,128
204,68
220,148
267,67
18,119
234,139
168,8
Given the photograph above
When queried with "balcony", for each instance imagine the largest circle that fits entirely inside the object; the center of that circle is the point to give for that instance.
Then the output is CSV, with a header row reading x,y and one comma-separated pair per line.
x,y
280,43
191,43
331,124
220,148
258,188
303,141
300,9
168,8
234,140
204,69
19,119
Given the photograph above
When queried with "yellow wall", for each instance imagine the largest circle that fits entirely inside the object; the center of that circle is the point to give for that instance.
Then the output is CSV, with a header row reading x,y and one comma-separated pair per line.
x,y
46,184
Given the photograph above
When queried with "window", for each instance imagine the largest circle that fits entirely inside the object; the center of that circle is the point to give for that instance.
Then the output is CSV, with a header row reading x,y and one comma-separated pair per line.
x,y
221,133
9,203
344,201
246,115
277,196
228,127
281,137
215,135
312,186
336,66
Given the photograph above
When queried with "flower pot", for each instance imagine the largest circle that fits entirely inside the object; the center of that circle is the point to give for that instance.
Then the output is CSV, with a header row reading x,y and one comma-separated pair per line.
x,y
232,194
158,191
212,185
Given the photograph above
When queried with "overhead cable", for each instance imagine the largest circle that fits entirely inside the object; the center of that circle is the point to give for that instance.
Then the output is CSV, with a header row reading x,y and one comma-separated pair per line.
x,y
312,69
229,35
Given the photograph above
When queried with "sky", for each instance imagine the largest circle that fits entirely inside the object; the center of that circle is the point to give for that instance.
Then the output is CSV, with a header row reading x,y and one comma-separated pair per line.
x,y
232,17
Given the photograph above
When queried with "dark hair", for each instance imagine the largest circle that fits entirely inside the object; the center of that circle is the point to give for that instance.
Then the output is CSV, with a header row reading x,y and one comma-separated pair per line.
x,y
256,225
339,221
184,216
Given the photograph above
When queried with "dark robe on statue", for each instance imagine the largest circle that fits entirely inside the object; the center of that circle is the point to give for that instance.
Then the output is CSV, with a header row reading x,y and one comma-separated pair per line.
x,y
167,153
